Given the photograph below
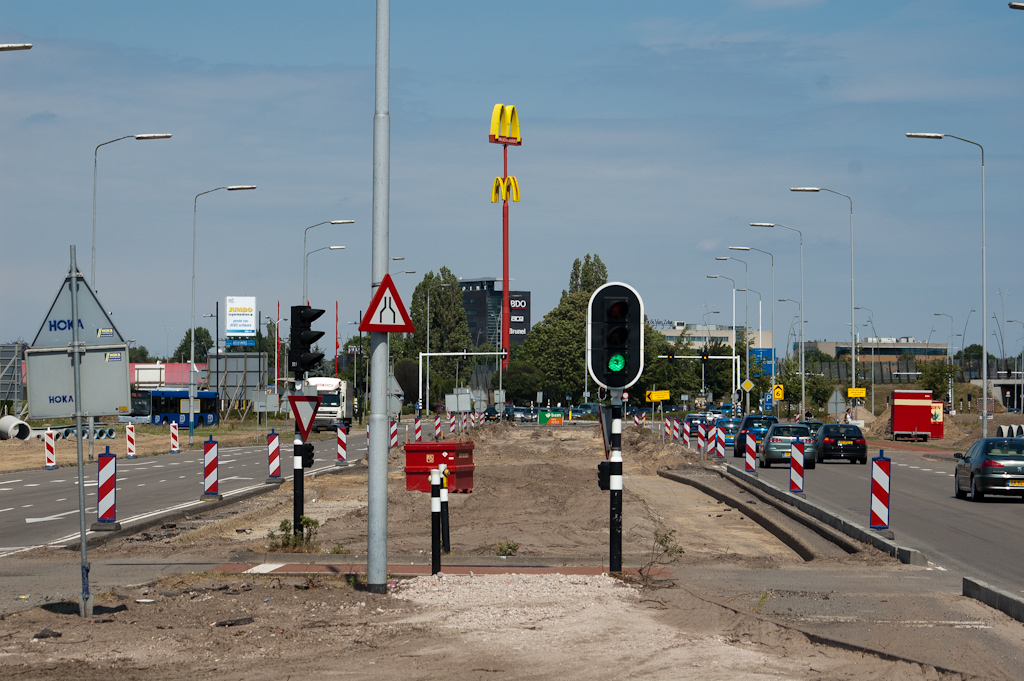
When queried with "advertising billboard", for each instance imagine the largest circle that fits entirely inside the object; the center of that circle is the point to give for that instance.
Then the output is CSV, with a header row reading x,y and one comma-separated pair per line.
x,y
240,316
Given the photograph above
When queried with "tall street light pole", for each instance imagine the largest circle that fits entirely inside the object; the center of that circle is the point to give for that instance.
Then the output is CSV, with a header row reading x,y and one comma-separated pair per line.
x,y
872,320
707,342
192,378
746,321
1016,387
853,321
984,274
803,375
429,289
734,377
949,352
305,300
305,269
761,340
758,317
803,396
95,165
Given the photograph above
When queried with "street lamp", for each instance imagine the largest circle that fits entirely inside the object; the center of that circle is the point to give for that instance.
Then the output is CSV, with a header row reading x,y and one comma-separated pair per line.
x,y
803,375
751,248
95,164
803,396
10,47
192,378
733,363
758,320
871,319
1013,5
429,289
1016,388
305,299
305,268
984,265
949,352
746,318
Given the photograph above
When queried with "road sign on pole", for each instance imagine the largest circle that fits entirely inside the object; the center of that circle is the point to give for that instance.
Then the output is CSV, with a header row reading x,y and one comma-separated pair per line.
x,y
304,409
747,385
386,313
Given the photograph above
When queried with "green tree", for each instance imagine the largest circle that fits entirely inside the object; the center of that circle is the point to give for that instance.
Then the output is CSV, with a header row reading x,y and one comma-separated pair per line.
x,y
936,376
140,354
521,382
449,331
204,341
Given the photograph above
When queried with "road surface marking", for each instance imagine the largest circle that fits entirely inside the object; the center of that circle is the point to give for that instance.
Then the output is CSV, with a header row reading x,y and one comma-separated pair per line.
x,y
8,482
6,509
33,484
265,568
57,516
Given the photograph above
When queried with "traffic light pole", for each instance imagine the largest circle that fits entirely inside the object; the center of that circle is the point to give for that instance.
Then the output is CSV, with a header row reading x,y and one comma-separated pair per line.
x,y
298,509
615,486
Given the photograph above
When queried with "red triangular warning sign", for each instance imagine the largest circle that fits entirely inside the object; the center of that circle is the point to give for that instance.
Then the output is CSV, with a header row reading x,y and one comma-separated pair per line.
x,y
386,313
304,409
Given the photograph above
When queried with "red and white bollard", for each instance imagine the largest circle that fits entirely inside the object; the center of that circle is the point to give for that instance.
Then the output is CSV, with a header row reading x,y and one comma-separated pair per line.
x,y
129,436
419,435
210,472
700,437
668,429
51,454
636,421
174,437
106,480
720,444
394,434
437,426
675,429
686,433
451,423
367,439
796,467
750,462
342,446
464,422
274,457
880,469
712,438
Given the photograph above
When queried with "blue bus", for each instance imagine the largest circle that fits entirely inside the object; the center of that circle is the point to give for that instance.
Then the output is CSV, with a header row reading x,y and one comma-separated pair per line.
x,y
166,405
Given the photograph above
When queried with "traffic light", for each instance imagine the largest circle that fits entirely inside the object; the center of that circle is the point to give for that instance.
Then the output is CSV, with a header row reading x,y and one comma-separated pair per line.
x,y
305,450
604,475
301,357
615,336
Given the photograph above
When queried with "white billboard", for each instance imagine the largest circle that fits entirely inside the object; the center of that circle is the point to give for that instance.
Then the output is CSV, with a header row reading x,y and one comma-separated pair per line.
x,y
240,316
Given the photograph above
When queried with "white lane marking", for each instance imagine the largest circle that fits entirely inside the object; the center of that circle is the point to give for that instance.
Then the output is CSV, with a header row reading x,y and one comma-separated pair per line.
x,y
27,506
156,466
181,477
142,484
8,482
926,470
120,479
915,466
33,484
175,463
6,489
58,481
64,499
56,516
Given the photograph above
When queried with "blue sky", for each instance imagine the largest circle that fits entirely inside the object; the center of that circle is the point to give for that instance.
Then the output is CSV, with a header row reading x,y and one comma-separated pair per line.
x,y
654,132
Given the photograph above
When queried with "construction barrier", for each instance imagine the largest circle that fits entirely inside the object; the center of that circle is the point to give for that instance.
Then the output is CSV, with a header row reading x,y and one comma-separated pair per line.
x,y
451,423
51,454
210,472
720,444
274,457
422,457
416,429
394,434
106,480
750,462
174,438
686,433
437,426
796,467
342,446
675,429
700,437
880,470
129,436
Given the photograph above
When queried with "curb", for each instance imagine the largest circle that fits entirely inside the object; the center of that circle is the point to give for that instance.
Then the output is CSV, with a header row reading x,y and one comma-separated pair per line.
x,y
903,554
1003,601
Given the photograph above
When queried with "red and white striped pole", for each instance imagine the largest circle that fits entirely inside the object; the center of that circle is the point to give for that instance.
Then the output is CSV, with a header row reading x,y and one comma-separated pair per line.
x,y
675,429
174,437
796,467
750,462
210,472
712,439
880,470
451,423
686,433
700,437
342,446
437,426
394,434
464,422
274,457
106,480
51,455
367,439
129,436
720,446
419,436
667,430
636,420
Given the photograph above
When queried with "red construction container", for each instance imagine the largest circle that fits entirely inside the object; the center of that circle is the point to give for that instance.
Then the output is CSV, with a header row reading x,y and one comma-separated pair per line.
x,y
423,457
914,415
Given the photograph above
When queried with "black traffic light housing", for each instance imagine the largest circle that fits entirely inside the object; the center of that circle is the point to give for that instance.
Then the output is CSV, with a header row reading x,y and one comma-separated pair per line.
x,y
615,336
301,357
305,450
604,475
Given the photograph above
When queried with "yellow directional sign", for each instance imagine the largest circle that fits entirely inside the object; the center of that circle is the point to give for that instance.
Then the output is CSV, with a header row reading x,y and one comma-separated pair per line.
x,y
778,392
747,385
856,392
657,395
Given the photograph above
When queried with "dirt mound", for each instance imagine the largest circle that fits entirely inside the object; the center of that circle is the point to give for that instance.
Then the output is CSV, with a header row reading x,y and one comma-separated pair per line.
x,y
880,427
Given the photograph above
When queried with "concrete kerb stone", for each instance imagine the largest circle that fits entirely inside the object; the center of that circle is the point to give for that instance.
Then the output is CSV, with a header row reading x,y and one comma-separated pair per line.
x,y
1003,601
903,554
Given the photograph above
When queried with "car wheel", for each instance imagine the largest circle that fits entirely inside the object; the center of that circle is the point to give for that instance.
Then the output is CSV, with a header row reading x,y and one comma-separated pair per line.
x,y
975,494
766,464
957,492
809,464
863,460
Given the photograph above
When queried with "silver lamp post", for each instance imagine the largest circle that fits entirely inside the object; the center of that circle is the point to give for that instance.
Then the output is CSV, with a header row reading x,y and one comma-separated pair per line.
x,y
304,233
803,386
984,265
853,321
734,377
429,289
803,375
758,319
95,165
10,47
746,319
305,268
751,248
1016,387
949,351
192,378
872,320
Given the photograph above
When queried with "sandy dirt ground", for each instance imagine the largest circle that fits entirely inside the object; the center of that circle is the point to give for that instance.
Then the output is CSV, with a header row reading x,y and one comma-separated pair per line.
x,y
535,487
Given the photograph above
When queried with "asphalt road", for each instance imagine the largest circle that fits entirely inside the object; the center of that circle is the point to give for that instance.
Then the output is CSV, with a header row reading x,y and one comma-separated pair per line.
x,y
41,507
978,540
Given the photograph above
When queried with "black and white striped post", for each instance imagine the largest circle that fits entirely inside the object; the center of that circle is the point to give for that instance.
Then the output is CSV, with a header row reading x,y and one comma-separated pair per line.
x,y
446,541
615,486
435,521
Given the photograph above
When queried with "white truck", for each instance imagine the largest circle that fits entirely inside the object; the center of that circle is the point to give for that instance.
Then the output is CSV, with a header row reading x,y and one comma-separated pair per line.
x,y
336,406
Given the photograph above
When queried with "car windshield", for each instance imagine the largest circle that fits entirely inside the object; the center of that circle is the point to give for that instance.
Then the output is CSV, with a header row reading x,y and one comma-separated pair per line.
x,y
760,423
1005,449
791,431
843,431
729,426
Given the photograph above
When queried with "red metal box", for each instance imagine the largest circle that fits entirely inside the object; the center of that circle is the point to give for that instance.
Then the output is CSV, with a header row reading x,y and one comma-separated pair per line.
x,y
423,457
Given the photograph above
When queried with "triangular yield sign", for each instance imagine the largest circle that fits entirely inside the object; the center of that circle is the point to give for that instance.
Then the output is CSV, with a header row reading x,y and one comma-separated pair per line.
x,y
304,409
386,313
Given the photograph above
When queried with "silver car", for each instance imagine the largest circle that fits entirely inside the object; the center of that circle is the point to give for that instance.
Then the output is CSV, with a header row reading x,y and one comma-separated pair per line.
x,y
993,465
775,448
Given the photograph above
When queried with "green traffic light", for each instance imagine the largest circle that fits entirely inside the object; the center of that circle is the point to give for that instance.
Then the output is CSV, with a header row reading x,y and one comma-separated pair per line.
x,y
617,362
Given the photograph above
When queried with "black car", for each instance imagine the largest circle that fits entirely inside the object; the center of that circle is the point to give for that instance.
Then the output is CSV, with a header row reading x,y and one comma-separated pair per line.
x,y
840,441
993,465
508,413
491,414
752,424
